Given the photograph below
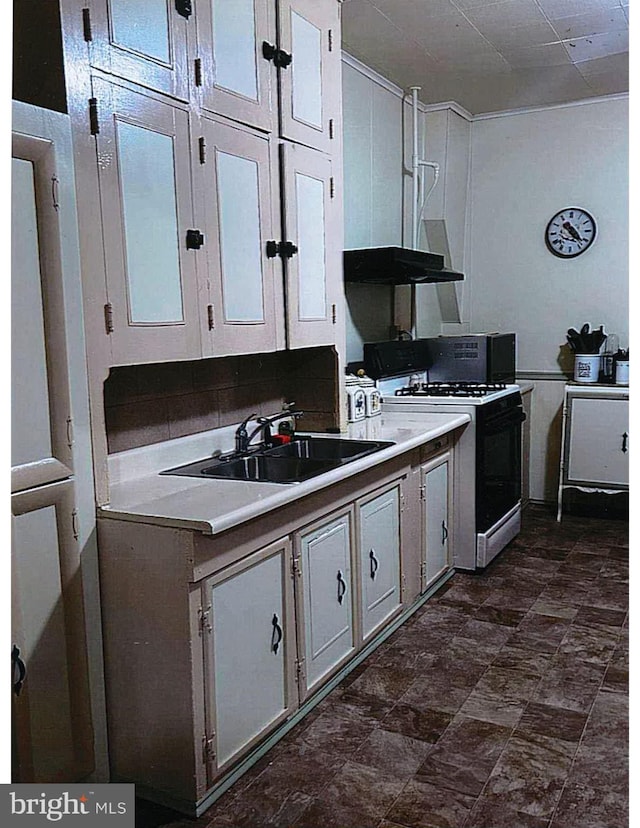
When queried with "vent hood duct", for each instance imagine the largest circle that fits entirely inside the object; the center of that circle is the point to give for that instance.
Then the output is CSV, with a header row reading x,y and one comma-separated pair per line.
x,y
396,266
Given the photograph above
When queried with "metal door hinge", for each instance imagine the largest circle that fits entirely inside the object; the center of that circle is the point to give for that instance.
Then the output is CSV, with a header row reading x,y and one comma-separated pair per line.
x,y
330,39
331,129
86,25
423,492
334,314
332,187
184,8
210,318
195,239
208,748
94,125
197,69
402,503
300,674
108,317
204,619
202,150
295,568
70,432
423,570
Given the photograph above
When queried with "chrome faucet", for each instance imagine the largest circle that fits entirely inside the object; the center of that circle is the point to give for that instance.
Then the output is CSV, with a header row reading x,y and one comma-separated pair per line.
x,y
243,438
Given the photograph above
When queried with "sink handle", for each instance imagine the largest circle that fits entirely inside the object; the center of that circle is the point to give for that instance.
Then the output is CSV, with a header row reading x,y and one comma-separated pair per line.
x,y
342,587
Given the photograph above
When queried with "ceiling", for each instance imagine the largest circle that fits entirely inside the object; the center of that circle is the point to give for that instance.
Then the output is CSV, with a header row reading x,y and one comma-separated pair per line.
x,y
493,55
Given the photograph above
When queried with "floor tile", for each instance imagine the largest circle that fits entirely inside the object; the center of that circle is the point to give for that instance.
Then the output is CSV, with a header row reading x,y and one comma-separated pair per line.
x,y
531,773
383,682
491,812
570,683
426,725
392,753
421,805
530,661
556,722
590,808
600,616
588,643
500,696
465,756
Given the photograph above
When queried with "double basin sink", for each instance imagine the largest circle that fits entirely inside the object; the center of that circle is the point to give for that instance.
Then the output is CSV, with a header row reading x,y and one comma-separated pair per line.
x,y
292,462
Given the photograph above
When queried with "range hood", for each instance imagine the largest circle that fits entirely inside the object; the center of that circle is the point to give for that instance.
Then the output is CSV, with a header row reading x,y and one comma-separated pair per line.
x,y
396,266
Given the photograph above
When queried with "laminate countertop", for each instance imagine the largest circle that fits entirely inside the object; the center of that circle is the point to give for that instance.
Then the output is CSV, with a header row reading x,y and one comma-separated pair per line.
x,y
139,493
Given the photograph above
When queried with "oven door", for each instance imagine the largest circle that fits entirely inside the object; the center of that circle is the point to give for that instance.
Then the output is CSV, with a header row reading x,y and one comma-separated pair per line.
x,y
498,459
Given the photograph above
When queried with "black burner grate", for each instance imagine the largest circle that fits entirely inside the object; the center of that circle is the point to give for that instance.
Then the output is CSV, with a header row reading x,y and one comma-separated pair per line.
x,y
451,389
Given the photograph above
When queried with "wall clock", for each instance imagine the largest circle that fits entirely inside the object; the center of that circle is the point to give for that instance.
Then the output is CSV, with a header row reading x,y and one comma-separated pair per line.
x,y
570,232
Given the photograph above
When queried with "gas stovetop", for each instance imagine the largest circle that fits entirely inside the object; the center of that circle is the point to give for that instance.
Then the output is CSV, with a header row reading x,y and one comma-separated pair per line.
x,y
450,389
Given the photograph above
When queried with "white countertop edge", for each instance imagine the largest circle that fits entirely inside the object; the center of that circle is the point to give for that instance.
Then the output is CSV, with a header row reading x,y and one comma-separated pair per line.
x,y
185,502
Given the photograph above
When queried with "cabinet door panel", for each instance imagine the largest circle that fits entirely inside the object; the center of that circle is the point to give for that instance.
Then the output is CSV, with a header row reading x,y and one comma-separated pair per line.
x,y
53,737
313,273
596,440
238,203
237,77
251,651
145,191
379,538
41,448
309,97
436,519
142,40
327,598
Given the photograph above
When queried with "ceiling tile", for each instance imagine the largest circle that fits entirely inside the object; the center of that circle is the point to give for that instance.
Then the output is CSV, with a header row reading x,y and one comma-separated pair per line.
x,y
579,25
596,46
410,12
552,54
503,15
556,9
519,37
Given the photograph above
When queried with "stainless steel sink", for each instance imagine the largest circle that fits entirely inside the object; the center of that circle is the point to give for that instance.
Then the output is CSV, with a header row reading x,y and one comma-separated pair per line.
x,y
291,463
327,448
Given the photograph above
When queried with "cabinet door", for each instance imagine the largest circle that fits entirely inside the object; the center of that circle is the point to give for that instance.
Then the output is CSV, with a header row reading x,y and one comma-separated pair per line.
x,y
250,650
325,624
379,552
435,495
142,40
313,280
239,199
309,31
598,441
143,158
237,78
51,712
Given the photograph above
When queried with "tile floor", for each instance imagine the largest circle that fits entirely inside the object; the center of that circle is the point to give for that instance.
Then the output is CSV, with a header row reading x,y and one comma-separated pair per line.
x,y
502,703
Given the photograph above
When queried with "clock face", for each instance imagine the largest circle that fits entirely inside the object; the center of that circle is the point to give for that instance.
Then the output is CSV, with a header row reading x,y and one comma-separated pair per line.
x,y
570,232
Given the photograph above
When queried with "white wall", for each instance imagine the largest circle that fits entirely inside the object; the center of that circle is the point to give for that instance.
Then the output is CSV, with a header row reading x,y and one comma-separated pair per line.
x,y
524,167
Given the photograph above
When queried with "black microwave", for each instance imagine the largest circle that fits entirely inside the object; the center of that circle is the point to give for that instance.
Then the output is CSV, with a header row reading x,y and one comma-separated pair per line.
x,y
482,357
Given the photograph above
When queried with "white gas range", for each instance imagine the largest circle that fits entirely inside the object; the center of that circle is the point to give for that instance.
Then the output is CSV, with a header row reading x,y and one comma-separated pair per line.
x,y
487,477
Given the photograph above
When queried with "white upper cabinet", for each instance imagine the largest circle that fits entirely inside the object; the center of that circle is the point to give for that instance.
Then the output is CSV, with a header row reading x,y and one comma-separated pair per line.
x,y
142,40
146,199
246,283
237,79
314,266
309,32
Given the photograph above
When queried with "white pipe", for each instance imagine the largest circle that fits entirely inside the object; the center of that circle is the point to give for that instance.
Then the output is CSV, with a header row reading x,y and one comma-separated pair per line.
x,y
414,167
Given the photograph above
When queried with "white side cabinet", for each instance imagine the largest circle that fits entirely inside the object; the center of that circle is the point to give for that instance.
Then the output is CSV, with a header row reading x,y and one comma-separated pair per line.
x,y
595,440
435,495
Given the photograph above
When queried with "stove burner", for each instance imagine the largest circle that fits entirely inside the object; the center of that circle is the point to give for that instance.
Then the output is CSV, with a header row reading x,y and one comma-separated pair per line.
x,y
451,389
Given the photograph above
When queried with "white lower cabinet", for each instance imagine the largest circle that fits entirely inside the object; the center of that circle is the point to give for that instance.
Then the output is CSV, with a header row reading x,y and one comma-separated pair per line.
x,y
378,519
435,494
247,620
324,598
